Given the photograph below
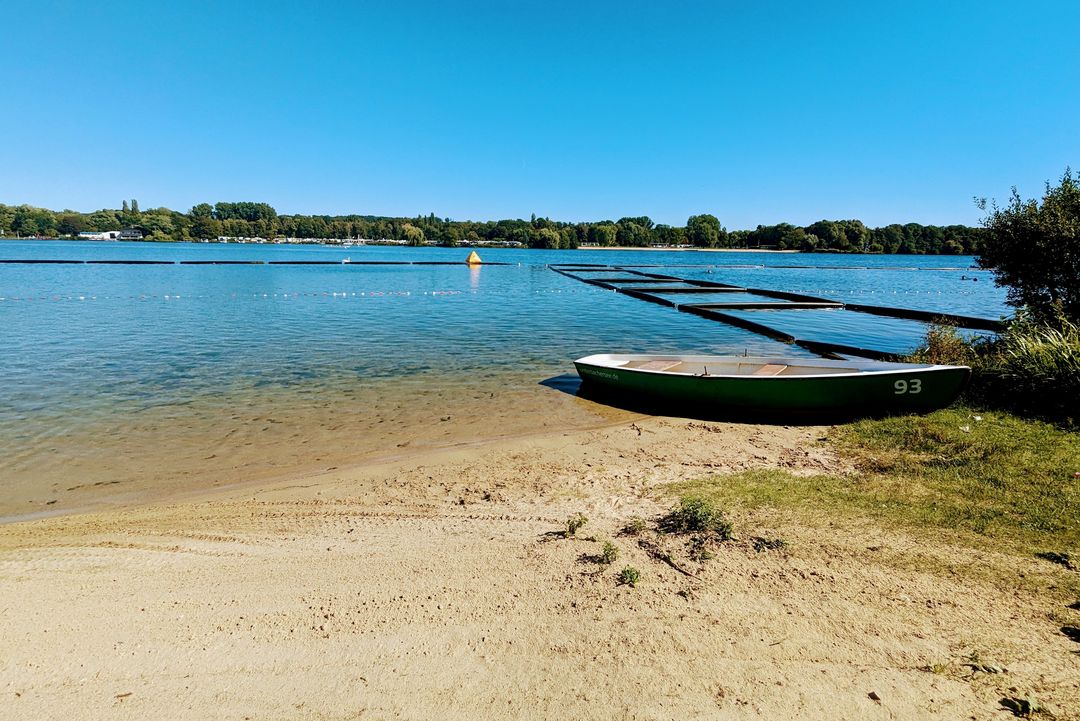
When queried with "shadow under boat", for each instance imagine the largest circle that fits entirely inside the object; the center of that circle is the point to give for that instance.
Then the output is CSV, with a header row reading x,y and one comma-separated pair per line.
x,y
571,384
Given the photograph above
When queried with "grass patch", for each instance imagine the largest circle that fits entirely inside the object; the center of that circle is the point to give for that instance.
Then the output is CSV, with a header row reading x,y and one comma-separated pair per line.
x,y
1001,477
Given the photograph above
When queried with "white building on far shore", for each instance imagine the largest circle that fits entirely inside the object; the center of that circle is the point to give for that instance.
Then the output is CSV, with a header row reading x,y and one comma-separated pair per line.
x,y
125,234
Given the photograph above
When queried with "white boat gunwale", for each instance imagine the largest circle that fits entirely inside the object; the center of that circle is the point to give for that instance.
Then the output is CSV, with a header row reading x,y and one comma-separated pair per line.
x,y
862,368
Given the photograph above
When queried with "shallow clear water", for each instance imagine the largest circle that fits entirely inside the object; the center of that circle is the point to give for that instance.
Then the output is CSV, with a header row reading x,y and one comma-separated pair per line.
x,y
98,359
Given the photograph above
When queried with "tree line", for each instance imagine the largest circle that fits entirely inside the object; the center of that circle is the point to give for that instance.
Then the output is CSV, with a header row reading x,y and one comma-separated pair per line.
x,y
260,220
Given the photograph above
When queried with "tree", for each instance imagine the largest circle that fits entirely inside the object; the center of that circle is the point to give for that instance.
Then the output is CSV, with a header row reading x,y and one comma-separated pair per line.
x,y
250,219
1034,250
7,219
669,235
72,224
244,211
544,238
205,227
704,231
414,235
602,234
104,220
632,235
643,220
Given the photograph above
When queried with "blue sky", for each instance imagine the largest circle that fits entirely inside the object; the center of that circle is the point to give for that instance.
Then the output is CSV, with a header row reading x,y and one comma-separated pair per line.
x,y
757,112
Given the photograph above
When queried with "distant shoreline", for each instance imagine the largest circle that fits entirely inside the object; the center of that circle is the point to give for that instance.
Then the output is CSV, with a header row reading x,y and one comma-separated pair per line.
x,y
384,243
704,250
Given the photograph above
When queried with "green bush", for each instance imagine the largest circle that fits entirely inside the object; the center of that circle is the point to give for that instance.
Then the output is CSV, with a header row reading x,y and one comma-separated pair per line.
x,y
1032,368
945,346
695,514
609,554
1032,248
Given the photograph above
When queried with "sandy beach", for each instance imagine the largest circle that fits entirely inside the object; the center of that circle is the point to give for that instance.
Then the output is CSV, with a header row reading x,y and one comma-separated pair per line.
x,y
440,586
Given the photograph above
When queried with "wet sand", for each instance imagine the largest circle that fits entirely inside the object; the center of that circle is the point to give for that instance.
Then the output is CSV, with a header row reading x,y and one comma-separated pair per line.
x,y
179,451
438,586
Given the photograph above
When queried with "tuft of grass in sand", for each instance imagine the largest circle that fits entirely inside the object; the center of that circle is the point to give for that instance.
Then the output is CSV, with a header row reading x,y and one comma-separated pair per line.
x,y
609,553
697,514
996,478
574,524
762,544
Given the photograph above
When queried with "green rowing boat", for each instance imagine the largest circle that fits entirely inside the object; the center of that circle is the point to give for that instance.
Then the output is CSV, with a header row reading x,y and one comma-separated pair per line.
x,y
800,386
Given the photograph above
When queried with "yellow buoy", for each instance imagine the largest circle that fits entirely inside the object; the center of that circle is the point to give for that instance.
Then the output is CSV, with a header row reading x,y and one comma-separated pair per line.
x,y
473,259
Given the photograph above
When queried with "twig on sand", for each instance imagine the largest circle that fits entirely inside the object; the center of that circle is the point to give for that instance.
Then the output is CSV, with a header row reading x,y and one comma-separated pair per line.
x,y
659,554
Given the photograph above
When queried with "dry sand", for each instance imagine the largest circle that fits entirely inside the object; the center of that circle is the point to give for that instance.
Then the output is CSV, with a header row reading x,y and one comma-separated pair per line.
x,y
437,587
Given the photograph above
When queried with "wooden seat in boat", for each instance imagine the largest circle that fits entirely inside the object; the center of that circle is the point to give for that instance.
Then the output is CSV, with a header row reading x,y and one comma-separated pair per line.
x,y
658,365
770,370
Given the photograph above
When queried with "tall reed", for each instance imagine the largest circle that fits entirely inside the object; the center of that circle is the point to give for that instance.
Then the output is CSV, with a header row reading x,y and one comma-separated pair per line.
x,y
1031,368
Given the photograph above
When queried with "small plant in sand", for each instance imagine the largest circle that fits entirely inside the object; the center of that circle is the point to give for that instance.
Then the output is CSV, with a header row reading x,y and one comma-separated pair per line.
x,y
609,553
695,514
574,524
762,543
629,576
1025,707
635,527
699,549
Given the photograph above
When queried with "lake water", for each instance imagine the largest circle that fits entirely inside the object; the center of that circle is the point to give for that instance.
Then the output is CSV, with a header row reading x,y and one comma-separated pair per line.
x,y
124,382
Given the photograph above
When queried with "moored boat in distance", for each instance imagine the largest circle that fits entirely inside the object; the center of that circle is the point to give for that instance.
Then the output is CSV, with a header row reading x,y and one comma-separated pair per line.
x,y
772,385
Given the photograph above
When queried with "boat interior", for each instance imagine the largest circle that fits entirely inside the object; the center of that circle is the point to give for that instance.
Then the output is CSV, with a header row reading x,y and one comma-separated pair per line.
x,y
730,368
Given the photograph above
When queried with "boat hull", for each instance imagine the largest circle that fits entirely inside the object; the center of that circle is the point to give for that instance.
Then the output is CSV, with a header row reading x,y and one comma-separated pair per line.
x,y
902,388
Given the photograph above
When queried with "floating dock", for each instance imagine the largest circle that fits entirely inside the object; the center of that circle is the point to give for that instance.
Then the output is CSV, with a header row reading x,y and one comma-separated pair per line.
x,y
652,287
